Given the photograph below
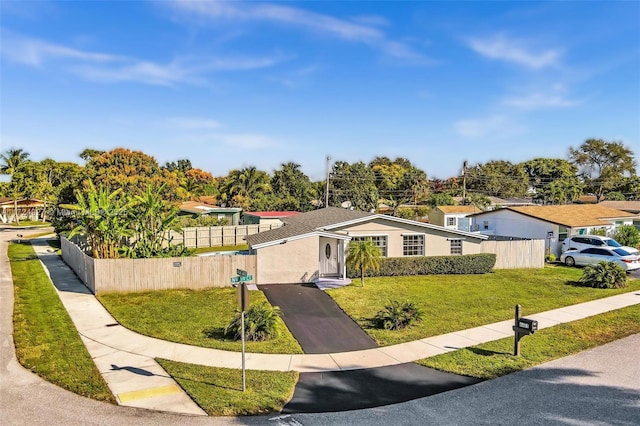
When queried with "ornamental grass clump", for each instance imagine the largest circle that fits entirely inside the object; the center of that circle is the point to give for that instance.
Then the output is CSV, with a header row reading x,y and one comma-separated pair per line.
x,y
604,275
397,315
260,323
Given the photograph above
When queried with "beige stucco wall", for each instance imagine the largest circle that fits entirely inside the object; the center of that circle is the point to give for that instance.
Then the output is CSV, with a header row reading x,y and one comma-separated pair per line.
x,y
436,217
436,241
294,262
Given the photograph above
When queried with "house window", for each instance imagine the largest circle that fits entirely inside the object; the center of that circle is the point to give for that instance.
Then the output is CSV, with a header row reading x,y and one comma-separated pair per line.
x,y
456,246
451,221
379,240
413,245
485,224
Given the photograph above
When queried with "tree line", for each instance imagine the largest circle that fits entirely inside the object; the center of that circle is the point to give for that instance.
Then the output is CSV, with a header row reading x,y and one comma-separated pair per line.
x,y
602,168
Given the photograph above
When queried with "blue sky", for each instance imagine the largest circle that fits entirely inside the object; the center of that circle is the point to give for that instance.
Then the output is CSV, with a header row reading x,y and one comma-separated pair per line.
x,y
234,84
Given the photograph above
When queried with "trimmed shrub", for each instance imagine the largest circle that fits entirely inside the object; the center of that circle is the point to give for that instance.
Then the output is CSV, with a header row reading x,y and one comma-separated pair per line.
x,y
551,257
432,265
397,315
604,275
260,323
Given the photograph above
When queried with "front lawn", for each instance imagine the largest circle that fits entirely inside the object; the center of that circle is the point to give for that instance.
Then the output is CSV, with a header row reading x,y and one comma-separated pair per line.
x,y
494,359
46,340
218,391
457,302
194,317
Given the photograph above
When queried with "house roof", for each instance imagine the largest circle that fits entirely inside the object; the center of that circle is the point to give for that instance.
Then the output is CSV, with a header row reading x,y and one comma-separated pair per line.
x,y
627,206
9,201
198,207
272,214
570,215
459,209
323,221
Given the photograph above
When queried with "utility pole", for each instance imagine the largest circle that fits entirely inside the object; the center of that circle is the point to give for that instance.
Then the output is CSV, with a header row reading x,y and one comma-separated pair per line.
x,y
464,181
326,189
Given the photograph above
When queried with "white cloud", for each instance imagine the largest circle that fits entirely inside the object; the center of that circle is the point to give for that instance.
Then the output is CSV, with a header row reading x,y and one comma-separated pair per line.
x,y
513,50
360,30
108,68
540,101
495,126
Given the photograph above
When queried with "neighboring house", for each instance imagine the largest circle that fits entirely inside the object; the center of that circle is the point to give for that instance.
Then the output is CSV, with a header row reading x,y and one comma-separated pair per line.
x,y
625,206
314,245
553,223
198,208
453,217
28,209
265,218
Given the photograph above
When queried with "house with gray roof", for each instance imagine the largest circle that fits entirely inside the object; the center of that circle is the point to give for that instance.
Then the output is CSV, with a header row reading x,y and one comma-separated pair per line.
x,y
313,245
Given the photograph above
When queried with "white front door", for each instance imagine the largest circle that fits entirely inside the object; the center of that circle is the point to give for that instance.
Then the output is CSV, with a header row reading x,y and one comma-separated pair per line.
x,y
328,257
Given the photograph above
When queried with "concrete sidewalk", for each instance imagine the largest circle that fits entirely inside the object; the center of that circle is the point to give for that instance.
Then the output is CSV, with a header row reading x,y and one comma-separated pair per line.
x,y
135,379
100,331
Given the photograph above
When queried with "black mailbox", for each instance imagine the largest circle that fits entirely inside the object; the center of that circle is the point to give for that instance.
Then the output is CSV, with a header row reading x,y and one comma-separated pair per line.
x,y
527,325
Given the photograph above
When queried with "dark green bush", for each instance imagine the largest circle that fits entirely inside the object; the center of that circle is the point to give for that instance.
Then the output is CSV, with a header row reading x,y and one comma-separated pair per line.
x,y
260,323
397,315
604,275
432,265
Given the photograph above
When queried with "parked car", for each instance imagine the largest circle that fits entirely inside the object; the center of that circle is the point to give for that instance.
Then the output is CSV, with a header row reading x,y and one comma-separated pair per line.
x,y
594,255
580,242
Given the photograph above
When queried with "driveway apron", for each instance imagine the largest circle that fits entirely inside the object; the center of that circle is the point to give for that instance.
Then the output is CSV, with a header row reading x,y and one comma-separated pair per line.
x,y
320,326
315,320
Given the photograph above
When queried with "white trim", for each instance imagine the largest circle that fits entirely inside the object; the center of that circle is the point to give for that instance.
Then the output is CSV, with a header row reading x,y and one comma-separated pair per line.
x,y
406,222
300,237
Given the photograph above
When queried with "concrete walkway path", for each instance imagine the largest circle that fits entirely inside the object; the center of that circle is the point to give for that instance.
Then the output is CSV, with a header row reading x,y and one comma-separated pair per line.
x,y
98,330
136,380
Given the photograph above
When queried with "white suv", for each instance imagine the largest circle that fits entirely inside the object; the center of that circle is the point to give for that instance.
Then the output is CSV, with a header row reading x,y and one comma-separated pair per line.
x,y
579,242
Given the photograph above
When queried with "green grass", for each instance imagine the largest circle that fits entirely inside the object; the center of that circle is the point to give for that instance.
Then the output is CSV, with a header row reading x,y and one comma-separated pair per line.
x,y
195,317
218,391
495,359
46,340
457,302
201,250
38,235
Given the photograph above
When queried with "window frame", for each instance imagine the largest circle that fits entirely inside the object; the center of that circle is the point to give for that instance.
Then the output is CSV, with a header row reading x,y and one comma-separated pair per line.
x,y
415,249
455,246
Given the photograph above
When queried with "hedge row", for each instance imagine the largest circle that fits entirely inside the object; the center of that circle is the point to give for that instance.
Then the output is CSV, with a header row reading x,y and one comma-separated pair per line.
x,y
431,265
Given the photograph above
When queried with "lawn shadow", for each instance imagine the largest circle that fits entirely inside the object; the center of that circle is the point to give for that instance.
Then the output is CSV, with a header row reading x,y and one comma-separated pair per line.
x,y
216,333
485,352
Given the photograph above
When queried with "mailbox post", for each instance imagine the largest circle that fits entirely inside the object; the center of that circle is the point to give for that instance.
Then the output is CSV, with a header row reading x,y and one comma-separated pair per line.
x,y
522,327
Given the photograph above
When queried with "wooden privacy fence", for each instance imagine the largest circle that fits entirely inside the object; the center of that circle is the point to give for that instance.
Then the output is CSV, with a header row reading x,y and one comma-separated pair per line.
x,y
216,236
132,275
516,254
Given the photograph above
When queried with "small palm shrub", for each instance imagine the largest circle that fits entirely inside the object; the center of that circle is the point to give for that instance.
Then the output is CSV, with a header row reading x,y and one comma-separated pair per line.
x,y
604,275
397,315
551,257
260,323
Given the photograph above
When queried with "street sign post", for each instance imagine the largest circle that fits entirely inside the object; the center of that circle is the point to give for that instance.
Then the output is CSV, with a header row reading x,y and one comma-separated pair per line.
x,y
243,304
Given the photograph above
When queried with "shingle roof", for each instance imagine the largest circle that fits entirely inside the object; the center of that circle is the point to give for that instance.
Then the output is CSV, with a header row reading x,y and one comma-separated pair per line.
x,y
459,209
627,206
571,215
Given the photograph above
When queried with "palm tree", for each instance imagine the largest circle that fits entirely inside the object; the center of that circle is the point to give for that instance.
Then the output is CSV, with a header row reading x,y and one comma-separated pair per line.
x,y
364,255
12,159
245,184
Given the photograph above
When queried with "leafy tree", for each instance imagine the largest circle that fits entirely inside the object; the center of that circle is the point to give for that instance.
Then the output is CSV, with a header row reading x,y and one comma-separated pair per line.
x,y
630,187
615,196
604,275
260,323
293,188
399,180
364,255
103,217
478,200
241,186
89,154
604,164
554,180
440,199
628,235
498,178
132,171
183,166
11,161
197,182
353,183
